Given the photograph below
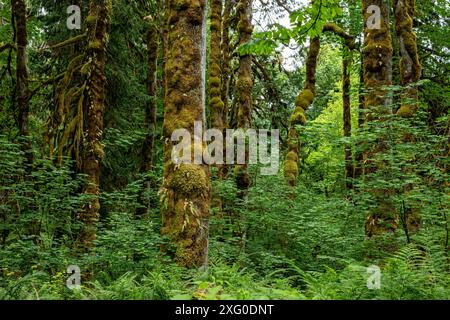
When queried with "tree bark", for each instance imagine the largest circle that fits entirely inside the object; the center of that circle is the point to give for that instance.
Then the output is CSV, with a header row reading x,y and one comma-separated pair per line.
x,y
359,157
226,58
19,13
410,68
377,76
185,194
244,87
347,118
410,72
302,103
150,115
217,106
98,23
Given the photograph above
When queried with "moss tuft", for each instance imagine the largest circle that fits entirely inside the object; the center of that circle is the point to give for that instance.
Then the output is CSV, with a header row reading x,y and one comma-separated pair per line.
x,y
95,44
298,117
189,179
91,20
292,156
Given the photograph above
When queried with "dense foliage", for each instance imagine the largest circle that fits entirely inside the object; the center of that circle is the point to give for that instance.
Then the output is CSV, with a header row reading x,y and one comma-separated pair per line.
x,y
277,242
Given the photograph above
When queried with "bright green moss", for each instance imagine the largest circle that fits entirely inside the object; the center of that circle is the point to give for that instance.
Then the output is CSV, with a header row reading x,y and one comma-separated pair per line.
x,y
189,179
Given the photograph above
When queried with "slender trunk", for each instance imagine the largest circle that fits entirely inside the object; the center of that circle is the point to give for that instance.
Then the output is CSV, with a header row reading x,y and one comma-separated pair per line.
x,y
19,14
302,103
359,157
346,62
150,115
377,76
185,194
98,23
161,5
347,58
215,70
244,87
226,58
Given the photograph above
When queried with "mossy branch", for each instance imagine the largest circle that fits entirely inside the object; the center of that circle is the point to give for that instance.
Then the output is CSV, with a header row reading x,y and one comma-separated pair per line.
x,y
349,39
68,42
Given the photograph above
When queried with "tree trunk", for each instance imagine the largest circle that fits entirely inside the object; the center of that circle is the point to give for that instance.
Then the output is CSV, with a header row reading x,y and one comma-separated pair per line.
x,y
410,68
302,103
346,62
410,72
244,87
359,157
93,150
19,13
217,106
185,193
377,76
226,58
150,115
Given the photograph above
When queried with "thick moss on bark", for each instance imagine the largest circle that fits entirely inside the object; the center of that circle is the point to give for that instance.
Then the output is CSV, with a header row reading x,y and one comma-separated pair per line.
x,y
410,72
217,106
244,83
226,58
185,193
377,54
410,68
92,154
302,103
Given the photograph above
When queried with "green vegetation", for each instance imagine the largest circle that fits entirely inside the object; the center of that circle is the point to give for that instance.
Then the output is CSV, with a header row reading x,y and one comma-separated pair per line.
x,y
309,232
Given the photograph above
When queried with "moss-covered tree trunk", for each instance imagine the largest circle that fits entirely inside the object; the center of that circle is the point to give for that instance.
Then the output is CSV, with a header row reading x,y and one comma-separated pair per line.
x,y
217,106
244,86
185,194
410,68
98,22
298,118
410,73
377,76
226,68
19,14
226,57
150,114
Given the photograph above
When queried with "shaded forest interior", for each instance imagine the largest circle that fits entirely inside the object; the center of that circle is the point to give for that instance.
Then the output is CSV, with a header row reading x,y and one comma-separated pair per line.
x,y
94,205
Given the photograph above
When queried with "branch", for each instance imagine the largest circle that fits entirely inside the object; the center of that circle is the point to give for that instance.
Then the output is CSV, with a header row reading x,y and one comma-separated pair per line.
x,y
348,38
68,42
7,46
